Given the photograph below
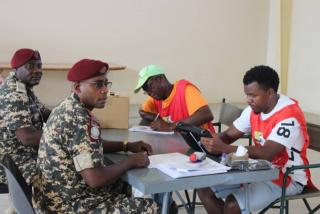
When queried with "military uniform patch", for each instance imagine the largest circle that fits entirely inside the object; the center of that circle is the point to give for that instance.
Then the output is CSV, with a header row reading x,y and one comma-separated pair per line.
x,y
95,132
83,161
20,87
93,128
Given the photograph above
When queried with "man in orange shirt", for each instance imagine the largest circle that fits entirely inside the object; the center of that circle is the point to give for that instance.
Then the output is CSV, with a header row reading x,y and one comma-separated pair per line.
x,y
169,103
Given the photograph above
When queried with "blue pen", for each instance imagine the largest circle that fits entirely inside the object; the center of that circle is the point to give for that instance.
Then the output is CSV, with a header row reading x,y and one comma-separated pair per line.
x,y
185,170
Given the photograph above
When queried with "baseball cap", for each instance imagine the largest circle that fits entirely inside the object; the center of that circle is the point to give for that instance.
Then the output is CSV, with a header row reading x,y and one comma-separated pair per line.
x,y
145,73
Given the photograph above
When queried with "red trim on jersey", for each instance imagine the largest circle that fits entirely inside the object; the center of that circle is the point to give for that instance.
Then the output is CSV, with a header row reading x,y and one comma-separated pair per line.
x,y
266,126
177,109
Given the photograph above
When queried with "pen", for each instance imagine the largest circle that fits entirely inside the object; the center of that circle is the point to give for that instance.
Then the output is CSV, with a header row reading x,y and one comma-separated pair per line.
x,y
198,142
185,170
156,117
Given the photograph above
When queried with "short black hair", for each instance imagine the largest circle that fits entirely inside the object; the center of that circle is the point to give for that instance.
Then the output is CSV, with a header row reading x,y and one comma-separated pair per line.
x,y
265,76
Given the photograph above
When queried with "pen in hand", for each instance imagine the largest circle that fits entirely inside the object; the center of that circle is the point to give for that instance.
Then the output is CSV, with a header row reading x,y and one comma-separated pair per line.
x,y
156,117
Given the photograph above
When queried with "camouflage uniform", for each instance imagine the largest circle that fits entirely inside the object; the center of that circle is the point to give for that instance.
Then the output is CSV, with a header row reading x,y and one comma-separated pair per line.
x,y
19,108
71,143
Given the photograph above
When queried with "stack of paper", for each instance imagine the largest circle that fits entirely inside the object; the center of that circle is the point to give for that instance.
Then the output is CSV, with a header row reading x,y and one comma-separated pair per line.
x,y
178,165
147,129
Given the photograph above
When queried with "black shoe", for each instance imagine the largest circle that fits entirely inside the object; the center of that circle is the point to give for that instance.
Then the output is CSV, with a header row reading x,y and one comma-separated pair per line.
x,y
3,188
173,208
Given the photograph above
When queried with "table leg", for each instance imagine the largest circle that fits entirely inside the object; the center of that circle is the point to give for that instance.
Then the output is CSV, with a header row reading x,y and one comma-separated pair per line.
x,y
188,208
165,202
246,191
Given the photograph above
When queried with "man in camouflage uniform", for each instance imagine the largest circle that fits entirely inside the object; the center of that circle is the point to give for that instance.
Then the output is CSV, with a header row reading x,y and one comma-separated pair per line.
x,y
21,113
72,175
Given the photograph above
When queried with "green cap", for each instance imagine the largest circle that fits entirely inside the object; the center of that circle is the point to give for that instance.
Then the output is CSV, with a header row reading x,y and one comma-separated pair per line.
x,y
145,73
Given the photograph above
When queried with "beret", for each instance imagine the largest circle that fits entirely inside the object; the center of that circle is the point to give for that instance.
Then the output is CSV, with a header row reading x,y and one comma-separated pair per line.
x,y
85,69
22,56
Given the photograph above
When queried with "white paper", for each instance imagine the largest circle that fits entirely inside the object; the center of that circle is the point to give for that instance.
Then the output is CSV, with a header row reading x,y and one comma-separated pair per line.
x,y
178,165
147,129
241,151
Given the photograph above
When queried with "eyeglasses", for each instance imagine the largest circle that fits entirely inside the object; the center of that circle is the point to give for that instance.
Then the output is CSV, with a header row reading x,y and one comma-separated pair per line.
x,y
100,84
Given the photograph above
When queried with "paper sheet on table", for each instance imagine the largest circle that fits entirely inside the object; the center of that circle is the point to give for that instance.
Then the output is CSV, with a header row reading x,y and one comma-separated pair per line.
x,y
177,165
147,129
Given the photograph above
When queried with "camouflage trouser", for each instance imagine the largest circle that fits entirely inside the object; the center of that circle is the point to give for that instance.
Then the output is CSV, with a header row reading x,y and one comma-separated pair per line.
x,y
2,176
114,198
123,204
120,201
118,205
3,179
27,167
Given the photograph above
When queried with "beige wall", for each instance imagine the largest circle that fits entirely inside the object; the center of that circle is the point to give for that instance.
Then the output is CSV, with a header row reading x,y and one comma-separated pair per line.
x,y
211,42
304,70
273,52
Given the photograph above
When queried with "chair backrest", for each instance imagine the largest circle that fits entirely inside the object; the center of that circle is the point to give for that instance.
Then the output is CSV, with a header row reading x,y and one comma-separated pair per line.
x,y
314,134
228,113
19,191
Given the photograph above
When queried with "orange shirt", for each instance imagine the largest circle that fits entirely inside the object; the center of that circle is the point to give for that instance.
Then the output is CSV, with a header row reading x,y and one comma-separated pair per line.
x,y
194,100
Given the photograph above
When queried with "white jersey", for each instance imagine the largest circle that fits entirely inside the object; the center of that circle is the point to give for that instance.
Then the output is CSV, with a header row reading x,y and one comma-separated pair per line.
x,y
287,132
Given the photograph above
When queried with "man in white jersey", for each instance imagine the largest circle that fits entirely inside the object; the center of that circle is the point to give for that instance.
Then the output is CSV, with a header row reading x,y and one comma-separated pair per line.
x,y
279,133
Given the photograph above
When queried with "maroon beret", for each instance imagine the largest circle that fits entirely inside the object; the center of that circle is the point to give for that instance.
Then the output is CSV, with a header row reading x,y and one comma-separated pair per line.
x,y
85,69
22,56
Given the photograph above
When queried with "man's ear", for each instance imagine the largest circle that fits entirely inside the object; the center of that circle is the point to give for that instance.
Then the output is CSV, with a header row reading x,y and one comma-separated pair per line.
x,y
271,91
76,88
17,72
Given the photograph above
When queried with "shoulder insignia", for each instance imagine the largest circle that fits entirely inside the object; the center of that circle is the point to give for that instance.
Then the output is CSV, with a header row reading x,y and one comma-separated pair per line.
x,y
95,132
20,87
93,128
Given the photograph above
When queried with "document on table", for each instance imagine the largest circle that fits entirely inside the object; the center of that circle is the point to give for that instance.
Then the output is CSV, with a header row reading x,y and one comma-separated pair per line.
x,y
147,129
177,165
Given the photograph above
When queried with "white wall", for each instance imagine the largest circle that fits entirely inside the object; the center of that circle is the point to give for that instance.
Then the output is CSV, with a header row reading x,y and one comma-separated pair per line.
x,y
210,42
304,69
